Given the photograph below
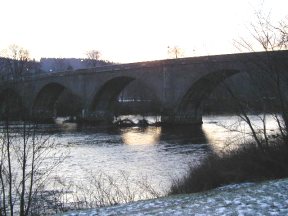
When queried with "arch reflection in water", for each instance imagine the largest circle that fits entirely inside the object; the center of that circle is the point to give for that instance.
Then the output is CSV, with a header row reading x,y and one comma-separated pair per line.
x,y
141,136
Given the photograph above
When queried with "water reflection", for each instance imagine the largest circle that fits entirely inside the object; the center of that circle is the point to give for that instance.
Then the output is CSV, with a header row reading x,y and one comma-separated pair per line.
x,y
68,127
220,139
159,153
164,135
184,135
229,132
141,136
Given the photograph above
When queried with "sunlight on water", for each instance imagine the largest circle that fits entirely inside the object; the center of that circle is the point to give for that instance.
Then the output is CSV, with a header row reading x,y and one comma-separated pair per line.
x,y
228,132
158,154
141,136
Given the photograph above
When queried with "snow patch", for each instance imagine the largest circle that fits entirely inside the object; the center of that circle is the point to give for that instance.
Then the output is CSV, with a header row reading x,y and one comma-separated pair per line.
x,y
267,198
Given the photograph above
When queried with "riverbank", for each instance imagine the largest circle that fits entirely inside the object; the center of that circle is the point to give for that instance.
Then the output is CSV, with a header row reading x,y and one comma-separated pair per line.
x,y
248,163
266,198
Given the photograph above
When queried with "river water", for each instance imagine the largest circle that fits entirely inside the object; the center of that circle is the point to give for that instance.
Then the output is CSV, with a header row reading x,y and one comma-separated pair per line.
x,y
159,154
131,158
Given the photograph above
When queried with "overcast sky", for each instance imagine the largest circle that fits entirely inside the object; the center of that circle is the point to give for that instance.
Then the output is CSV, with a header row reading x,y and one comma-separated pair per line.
x,y
128,30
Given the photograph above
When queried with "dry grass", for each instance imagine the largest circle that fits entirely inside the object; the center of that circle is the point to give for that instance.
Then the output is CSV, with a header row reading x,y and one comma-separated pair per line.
x,y
246,164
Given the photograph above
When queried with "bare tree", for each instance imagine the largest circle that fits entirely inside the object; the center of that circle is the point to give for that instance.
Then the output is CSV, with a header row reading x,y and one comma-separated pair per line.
x,y
93,57
283,30
270,80
16,61
26,161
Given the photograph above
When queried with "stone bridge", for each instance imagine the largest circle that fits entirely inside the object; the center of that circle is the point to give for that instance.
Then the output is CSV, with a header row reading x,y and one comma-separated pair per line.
x,y
177,86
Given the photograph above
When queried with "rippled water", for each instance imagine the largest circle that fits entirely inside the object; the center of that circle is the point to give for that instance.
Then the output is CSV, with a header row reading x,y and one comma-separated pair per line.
x,y
156,153
153,152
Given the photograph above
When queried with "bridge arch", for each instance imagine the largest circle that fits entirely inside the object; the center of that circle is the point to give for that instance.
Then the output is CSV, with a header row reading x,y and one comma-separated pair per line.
x,y
138,97
11,105
108,93
47,98
190,104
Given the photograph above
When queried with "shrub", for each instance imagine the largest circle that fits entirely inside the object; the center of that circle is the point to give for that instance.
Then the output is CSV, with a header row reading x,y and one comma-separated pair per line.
x,y
247,163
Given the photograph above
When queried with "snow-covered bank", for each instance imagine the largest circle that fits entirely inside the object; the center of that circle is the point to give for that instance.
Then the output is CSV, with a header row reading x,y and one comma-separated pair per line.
x,y
267,198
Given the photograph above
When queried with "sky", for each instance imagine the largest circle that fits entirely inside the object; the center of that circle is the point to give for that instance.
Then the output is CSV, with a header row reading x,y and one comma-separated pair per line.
x,y
129,30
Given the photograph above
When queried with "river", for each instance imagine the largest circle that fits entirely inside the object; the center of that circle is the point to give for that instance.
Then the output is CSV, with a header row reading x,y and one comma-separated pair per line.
x,y
159,154
130,155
